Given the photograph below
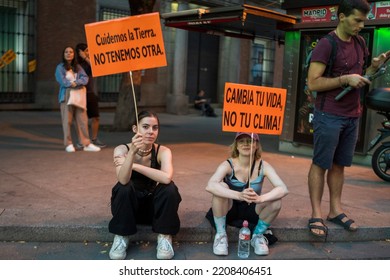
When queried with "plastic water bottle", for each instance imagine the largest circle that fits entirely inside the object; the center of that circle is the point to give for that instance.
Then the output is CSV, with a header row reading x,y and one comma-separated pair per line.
x,y
244,238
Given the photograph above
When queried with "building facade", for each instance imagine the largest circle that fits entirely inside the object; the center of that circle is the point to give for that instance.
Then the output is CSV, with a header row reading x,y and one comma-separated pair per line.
x,y
34,34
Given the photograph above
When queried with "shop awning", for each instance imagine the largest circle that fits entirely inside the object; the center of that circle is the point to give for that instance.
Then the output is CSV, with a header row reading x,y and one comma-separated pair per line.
x,y
242,21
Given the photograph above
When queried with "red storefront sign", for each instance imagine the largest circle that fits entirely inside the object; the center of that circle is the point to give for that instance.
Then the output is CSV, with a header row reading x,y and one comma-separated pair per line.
x,y
319,14
379,10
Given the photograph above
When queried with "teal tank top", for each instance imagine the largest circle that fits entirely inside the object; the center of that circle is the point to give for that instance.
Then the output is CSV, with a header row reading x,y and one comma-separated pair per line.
x,y
239,186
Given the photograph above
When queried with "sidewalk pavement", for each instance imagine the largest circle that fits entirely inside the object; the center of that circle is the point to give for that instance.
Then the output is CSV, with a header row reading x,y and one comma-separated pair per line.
x,y
47,194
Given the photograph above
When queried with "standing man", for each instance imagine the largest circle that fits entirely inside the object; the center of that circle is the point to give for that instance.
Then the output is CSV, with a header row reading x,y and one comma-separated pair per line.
x,y
336,123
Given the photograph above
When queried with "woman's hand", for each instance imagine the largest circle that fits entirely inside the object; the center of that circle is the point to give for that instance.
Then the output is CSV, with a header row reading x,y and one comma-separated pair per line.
x,y
136,143
249,195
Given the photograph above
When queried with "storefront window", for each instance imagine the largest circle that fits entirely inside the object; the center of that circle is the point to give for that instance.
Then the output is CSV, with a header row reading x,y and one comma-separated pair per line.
x,y
257,68
381,44
262,63
17,42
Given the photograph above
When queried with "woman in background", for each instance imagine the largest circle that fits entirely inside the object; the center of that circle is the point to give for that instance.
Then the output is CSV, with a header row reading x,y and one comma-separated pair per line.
x,y
82,55
69,74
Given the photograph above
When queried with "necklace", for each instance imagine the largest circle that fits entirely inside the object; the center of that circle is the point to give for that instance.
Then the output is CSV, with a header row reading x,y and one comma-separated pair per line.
x,y
144,153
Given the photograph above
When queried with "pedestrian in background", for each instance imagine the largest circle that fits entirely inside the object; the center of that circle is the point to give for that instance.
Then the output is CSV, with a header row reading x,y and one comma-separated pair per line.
x,y
145,192
336,122
70,75
201,103
236,187
82,55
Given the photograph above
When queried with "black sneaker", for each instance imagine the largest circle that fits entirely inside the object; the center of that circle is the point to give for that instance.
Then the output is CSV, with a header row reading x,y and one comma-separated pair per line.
x,y
98,143
79,147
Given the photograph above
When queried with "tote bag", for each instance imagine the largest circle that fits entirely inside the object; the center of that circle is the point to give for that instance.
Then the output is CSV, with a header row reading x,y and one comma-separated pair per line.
x,y
78,97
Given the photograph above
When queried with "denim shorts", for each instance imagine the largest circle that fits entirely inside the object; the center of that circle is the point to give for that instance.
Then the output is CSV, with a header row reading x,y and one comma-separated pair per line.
x,y
335,139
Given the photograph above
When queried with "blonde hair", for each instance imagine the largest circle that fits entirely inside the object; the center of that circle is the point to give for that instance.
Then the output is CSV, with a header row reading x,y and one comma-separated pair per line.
x,y
234,151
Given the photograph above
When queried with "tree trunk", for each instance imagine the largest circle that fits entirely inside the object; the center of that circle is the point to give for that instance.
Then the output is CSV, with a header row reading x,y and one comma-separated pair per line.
x,y
125,114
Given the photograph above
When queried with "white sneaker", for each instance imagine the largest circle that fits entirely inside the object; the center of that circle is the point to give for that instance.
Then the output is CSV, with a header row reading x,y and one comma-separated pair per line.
x,y
119,247
164,247
91,148
260,244
220,246
70,148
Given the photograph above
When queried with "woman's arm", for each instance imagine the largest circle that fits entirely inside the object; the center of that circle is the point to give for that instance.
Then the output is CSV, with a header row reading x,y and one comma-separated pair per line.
x,y
165,174
279,187
124,158
82,77
217,187
123,161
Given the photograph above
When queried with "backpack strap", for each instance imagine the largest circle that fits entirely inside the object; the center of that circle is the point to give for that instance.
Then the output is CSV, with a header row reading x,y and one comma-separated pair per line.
x,y
333,54
329,66
363,46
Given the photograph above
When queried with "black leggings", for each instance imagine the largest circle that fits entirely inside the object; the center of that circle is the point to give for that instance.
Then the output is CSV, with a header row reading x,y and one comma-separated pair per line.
x,y
130,207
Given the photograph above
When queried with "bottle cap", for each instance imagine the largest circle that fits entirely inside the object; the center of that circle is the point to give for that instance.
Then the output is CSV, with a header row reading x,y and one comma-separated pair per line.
x,y
245,223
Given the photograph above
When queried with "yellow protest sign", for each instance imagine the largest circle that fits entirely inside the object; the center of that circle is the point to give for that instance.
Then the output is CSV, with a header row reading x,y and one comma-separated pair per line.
x,y
8,57
125,44
32,65
256,109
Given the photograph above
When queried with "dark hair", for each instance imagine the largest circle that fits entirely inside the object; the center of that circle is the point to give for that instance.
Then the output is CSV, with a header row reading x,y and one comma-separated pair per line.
x,y
73,63
80,46
347,6
145,114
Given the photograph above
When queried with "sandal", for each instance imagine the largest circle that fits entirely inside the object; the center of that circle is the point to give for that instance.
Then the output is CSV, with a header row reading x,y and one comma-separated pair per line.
x,y
338,220
324,228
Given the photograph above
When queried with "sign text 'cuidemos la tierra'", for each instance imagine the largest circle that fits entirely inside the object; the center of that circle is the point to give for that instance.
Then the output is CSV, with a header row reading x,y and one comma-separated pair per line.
x,y
125,44
254,109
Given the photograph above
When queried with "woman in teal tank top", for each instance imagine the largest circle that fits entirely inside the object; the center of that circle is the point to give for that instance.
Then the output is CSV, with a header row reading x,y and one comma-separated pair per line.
x,y
236,187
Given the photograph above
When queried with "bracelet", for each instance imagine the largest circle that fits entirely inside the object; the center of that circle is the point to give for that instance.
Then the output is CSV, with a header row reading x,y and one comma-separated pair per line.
x,y
341,84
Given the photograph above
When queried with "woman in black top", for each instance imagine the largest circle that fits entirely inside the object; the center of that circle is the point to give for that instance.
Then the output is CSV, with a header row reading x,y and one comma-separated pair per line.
x,y
145,192
93,113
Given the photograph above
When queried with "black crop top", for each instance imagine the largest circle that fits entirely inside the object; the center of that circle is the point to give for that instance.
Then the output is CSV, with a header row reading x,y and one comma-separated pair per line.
x,y
140,181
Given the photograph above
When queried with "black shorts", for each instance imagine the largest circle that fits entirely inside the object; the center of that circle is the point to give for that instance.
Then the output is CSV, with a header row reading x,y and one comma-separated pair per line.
x,y
239,212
